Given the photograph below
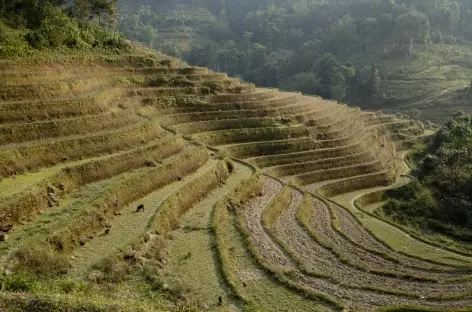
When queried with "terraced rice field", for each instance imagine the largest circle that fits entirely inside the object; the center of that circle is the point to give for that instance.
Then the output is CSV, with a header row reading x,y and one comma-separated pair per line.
x,y
250,198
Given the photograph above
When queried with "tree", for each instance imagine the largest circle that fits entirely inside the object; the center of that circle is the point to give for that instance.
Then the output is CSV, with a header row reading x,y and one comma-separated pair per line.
x,y
333,82
28,13
248,37
375,80
412,26
148,34
369,30
306,82
385,25
82,10
258,55
343,33
102,7
368,81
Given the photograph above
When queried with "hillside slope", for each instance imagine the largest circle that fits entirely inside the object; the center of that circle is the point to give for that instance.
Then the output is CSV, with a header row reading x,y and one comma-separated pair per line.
x,y
238,187
392,55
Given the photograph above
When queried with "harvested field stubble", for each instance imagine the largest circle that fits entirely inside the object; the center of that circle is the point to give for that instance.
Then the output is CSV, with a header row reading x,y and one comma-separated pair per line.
x,y
226,124
337,173
298,168
46,109
114,147
48,153
34,199
93,219
167,218
250,135
65,127
355,183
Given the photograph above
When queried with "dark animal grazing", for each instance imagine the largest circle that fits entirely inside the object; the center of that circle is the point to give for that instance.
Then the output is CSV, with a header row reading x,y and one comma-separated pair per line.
x,y
6,228
140,208
220,301
179,178
107,231
129,255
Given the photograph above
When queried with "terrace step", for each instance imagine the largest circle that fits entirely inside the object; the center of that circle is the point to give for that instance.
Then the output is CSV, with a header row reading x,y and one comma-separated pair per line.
x,y
223,124
128,227
355,183
23,132
298,168
32,155
337,173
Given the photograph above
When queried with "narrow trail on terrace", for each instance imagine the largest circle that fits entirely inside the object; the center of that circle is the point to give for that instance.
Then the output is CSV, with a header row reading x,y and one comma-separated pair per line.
x,y
128,227
190,253
406,243
357,234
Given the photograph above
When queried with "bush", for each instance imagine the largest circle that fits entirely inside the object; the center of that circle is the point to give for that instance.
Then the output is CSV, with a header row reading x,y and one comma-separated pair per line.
x,y
113,270
20,282
12,42
440,197
97,37
56,30
42,261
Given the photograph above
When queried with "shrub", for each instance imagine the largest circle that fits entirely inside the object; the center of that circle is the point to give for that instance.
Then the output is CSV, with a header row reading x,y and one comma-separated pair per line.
x,y
19,282
41,261
114,270
56,30
97,37
12,42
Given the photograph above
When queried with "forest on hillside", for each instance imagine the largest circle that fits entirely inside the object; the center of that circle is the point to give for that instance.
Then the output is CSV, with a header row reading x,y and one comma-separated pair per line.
x,y
29,26
440,197
336,49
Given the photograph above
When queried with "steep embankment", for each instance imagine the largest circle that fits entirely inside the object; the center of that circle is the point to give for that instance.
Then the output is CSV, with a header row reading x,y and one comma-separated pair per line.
x,y
84,145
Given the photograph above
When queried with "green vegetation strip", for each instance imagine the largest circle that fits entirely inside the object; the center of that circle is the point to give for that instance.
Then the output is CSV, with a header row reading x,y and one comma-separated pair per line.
x,y
220,225
419,309
276,207
413,233
381,239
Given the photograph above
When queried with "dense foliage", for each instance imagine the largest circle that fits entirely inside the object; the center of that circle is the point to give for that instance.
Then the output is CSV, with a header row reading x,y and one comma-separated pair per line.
x,y
26,25
441,195
297,44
